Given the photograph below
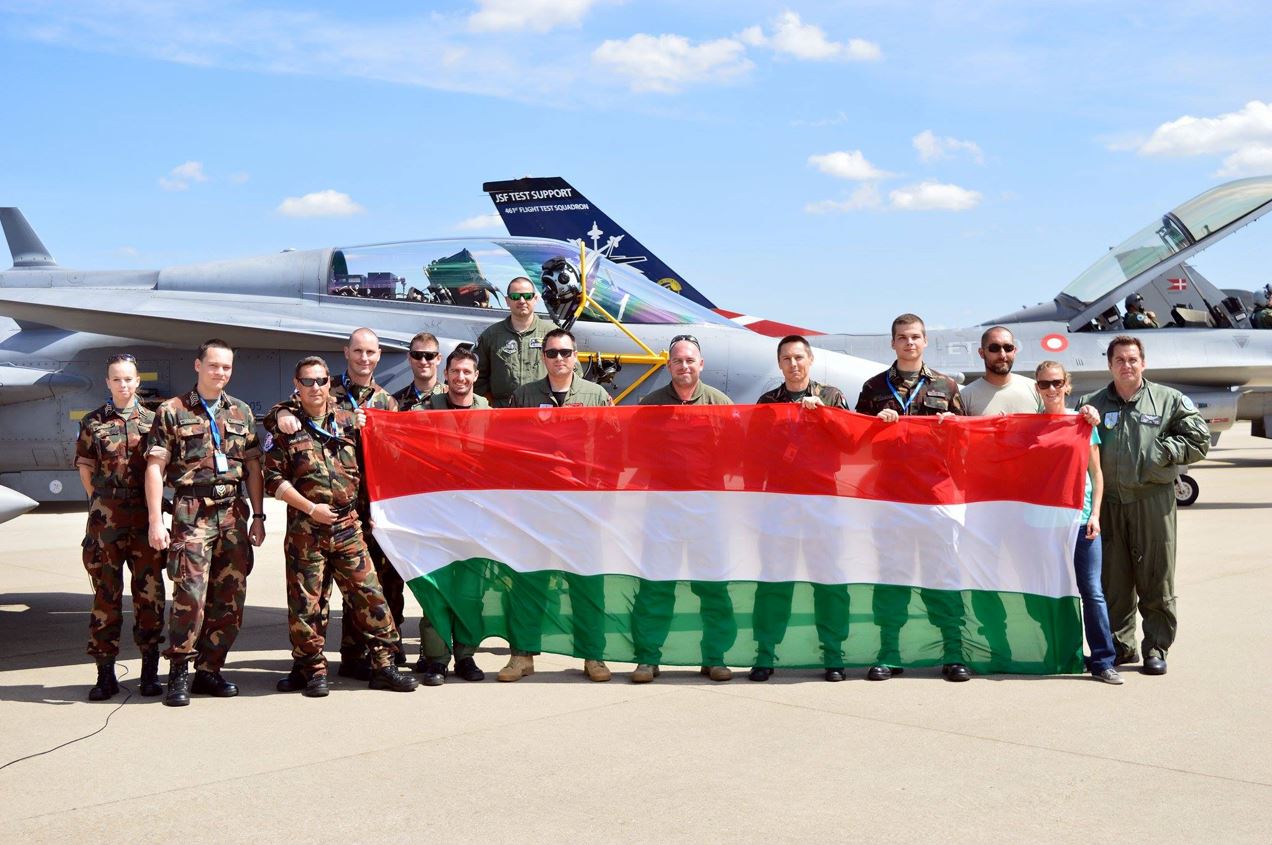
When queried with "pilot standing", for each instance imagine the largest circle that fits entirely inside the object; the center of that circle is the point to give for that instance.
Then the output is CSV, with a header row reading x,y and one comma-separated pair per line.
x,y
110,455
356,388
1136,317
1147,431
655,600
435,652
910,388
507,351
315,472
1262,316
773,597
561,387
422,358
203,444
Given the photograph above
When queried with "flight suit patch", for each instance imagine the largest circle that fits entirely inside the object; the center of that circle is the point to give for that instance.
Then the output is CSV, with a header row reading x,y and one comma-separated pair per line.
x,y
1111,418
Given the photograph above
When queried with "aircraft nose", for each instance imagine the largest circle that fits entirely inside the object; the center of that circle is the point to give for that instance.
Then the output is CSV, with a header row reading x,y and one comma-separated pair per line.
x,y
14,504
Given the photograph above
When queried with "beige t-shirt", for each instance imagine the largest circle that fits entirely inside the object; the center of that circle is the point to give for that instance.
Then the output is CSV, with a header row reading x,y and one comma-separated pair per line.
x,y
1018,396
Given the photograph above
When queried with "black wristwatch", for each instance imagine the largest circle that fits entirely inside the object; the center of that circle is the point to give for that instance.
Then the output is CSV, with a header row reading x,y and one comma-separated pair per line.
x,y
259,516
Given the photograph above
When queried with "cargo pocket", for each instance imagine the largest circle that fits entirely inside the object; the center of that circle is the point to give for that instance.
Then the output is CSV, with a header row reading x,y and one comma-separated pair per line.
x,y
92,553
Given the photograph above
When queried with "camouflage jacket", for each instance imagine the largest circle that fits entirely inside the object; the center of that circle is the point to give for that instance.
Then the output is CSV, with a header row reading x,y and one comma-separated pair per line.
x,y
112,445
351,396
410,399
703,394
1143,439
320,461
182,436
831,396
937,394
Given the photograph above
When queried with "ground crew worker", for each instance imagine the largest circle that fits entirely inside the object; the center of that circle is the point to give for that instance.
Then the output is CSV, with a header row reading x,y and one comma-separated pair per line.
x,y
561,387
422,359
435,652
655,600
1147,431
1136,317
110,455
356,388
203,444
1262,316
773,597
508,351
315,472
910,388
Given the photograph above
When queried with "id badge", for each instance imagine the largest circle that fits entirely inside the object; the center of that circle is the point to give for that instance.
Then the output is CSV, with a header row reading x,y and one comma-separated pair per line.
x,y
219,460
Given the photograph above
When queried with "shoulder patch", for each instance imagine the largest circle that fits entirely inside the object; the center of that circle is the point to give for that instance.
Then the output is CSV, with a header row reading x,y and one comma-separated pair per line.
x,y
1187,403
268,442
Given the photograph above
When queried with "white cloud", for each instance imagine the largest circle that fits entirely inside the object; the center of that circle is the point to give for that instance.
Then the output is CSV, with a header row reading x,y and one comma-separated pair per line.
x,y
933,148
326,203
933,196
531,15
666,63
181,176
866,196
808,42
481,223
1190,136
849,164
1250,160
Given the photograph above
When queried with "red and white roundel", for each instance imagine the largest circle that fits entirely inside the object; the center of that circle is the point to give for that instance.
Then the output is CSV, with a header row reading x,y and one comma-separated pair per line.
x,y
1055,343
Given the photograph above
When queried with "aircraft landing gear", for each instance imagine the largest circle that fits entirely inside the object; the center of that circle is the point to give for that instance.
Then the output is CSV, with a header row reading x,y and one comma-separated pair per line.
x,y
1186,490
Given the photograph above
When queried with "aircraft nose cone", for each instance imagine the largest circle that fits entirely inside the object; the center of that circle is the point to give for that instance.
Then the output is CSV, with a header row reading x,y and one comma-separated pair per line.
x,y
13,504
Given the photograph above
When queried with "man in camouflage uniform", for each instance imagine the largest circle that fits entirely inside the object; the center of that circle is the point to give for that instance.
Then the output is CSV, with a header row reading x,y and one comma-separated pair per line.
x,y
315,472
655,601
435,652
356,388
422,358
561,387
203,444
508,351
773,596
1147,431
910,388
111,458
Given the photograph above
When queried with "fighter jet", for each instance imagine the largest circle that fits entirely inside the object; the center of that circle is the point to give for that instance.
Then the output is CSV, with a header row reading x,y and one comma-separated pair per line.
x,y
1205,348
276,308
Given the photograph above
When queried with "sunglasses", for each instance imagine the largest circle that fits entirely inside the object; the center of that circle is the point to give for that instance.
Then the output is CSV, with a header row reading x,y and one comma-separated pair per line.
x,y
1050,384
557,353
121,358
424,354
687,337
524,297
1001,347
320,381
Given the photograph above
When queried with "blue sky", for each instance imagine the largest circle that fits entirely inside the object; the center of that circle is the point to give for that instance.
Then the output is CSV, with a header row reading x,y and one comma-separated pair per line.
x,y
825,164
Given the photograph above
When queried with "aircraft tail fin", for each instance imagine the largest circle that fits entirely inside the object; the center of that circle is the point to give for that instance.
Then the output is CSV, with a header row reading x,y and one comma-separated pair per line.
x,y
549,207
24,244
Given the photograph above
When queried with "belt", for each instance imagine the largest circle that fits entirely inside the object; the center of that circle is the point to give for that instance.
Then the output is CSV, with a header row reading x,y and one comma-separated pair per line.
x,y
210,491
118,493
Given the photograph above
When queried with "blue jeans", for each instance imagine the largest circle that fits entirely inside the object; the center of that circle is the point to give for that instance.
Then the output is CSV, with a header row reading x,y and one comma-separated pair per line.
x,y
1087,559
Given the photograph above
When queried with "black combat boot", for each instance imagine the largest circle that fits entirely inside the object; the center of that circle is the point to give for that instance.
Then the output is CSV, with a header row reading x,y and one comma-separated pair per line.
x,y
207,682
354,666
178,684
391,679
434,674
467,669
150,685
295,681
107,686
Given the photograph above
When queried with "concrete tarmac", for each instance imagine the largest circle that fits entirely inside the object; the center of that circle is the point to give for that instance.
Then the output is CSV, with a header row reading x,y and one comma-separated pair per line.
x,y
1182,758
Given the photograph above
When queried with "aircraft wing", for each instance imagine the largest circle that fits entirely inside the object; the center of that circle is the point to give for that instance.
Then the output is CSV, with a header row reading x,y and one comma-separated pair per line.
x,y
176,317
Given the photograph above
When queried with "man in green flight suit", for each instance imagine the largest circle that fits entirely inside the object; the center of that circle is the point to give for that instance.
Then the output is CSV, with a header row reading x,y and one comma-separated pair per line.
x,y
1147,430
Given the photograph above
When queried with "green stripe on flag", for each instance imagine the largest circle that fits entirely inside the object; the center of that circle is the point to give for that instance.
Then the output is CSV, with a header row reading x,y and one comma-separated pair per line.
x,y
745,623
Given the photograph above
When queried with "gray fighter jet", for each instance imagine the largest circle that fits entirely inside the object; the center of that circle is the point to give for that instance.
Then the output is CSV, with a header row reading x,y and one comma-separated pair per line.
x,y
275,308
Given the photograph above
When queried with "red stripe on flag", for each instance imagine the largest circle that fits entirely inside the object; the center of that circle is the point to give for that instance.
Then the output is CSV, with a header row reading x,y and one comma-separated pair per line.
x,y
755,448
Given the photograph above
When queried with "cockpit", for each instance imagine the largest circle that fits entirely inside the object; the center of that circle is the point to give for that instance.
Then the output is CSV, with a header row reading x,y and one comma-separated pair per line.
x,y
474,273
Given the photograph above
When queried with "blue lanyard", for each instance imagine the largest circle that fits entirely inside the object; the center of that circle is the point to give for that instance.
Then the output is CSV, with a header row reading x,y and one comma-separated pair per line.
x,y
905,406
334,434
216,429
344,379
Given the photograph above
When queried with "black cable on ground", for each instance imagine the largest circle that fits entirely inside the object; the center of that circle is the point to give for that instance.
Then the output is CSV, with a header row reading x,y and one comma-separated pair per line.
x,y
123,674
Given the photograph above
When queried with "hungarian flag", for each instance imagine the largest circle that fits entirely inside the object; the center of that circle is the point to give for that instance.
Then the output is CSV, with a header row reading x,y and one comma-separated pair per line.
x,y
739,535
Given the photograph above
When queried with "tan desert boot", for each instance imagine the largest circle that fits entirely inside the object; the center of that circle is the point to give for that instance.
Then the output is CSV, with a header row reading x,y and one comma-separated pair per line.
x,y
717,673
644,673
519,666
596,670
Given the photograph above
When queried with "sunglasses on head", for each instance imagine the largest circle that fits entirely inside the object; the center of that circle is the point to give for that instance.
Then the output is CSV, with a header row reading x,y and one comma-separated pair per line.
x,y
1054,383
524,297
319,381
424,354
688,337
1001,347
121,358
558,353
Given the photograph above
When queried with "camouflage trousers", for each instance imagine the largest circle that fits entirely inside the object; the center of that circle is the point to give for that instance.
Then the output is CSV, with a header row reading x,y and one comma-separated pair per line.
x,y
115,537
208,561
317,556
353,642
